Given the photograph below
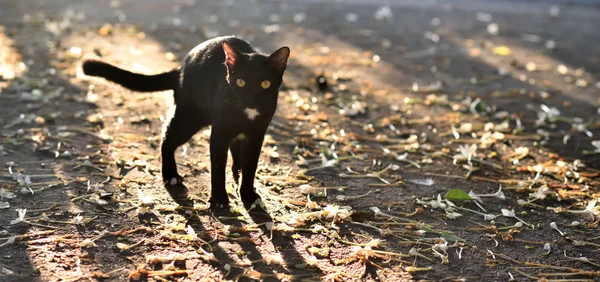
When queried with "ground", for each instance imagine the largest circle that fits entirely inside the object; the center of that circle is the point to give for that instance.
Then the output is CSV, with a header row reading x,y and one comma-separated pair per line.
x,y
366,180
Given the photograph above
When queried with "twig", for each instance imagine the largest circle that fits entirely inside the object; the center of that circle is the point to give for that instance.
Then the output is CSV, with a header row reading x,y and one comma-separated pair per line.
x,y
524,274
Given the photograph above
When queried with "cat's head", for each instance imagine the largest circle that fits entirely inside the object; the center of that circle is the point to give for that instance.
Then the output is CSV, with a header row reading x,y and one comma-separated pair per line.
x,y
255,78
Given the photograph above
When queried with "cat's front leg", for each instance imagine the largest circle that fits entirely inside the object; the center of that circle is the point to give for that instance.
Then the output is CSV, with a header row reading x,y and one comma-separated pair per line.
x,y
236,150
219,143
250,161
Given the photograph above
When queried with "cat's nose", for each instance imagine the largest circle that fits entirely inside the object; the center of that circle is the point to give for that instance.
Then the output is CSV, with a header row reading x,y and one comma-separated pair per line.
x,y
251,103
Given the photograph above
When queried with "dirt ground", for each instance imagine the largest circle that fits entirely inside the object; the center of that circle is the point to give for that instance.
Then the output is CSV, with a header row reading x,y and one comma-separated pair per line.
x,y
367,180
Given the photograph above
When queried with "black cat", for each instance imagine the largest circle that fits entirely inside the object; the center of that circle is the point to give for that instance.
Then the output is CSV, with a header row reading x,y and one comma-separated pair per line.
x,y
223,82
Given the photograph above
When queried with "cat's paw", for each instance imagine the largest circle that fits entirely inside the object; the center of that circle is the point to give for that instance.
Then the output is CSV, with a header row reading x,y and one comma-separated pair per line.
x,y
219,203
172,180
249,198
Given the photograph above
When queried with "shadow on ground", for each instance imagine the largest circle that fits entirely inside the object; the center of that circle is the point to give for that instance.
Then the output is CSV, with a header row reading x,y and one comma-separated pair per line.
x,y
43,116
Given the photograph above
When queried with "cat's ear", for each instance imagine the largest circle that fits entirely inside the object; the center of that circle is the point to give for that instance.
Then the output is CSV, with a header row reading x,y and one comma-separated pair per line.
x,y
278,60
232,56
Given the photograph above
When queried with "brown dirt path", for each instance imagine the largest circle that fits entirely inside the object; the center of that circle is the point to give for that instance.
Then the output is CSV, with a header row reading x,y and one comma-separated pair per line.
x,y
87,150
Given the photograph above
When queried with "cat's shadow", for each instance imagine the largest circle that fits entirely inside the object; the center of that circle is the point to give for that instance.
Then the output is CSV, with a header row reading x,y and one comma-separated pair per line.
x,y
180,194
283,244
260,216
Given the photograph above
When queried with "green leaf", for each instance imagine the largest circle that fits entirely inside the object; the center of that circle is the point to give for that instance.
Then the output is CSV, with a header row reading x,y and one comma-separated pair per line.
x,y
457,195
449,236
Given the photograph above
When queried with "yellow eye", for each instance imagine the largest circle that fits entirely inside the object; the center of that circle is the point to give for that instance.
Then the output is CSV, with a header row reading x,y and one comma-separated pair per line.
x,y
240,82
265,84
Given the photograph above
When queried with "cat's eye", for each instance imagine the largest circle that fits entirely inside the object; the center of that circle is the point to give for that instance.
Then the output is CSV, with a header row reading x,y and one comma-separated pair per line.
x,y
265,84
240,82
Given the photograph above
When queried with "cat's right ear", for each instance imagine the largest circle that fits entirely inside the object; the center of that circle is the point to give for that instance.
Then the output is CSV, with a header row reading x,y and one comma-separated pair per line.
x,y
278,60
232,56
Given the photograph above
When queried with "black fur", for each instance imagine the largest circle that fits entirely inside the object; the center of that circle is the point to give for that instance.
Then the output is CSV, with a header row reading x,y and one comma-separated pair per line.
x,y
132,81
207,92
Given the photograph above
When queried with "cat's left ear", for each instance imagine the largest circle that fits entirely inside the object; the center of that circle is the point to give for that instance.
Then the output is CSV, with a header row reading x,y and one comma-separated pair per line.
x,y
232,56
278,60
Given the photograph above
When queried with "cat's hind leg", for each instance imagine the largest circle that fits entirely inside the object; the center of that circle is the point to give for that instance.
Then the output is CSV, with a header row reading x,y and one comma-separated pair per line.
x,y
179,129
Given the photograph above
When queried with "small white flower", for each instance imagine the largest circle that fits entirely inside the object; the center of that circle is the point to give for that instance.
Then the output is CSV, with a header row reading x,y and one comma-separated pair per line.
x,y
146,200
440,203
26,190
376,210
538,177
269,226
580,127
547,114
453,215
584,259
21,179
510,213
226,230
596,144
78,219
21,217
259,203
87,243
475,196
522,202
27,180
466,152
384,13
499,194
591,209
547,248
555,227
424,182
334,212
318,229
6,194
541,193
489,217
440,250
328,163
10,165
301,161
9,241
413,252
190,231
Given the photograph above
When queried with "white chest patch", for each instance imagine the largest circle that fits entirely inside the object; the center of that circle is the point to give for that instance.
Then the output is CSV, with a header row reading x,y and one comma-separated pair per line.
x,y
251,113
241,136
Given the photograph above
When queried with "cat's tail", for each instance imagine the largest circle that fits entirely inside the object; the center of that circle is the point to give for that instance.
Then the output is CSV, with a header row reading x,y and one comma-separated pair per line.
x,y
132,81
